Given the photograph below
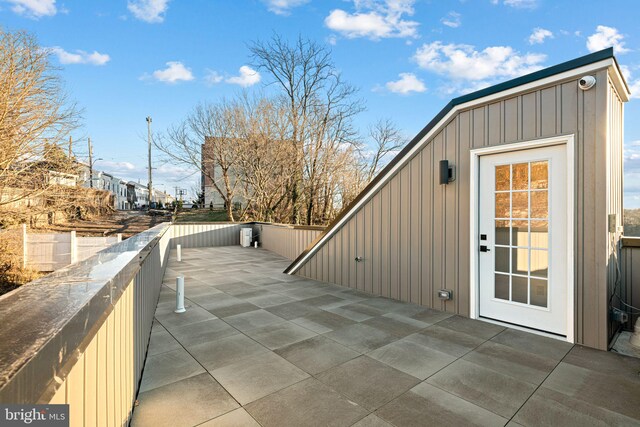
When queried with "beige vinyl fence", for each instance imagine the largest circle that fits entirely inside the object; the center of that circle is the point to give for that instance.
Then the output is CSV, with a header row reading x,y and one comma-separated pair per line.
x,y
52,251
630,266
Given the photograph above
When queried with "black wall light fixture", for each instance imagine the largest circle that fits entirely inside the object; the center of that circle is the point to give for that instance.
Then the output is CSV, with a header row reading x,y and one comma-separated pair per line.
x,y
447,173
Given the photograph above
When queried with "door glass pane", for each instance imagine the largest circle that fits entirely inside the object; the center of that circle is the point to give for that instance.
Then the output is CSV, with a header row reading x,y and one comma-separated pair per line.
x,y
519,289
521,176
539,234
502,205
539,263
521,239
539,173
520,233
502,259
539,204
502,178
520,204
502,232
539,292
520,261
502,286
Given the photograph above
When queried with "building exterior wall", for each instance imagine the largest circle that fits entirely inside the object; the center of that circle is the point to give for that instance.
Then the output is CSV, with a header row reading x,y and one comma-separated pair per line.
x,y
413,234
615,145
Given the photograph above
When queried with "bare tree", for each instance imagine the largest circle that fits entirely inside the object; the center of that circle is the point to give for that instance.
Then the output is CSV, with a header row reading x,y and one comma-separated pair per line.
x,y
386,139
317,100
35,121
266,159
205,141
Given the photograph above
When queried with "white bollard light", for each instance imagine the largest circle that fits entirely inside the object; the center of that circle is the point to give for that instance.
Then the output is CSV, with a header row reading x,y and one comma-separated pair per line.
x,y
180,295
179,250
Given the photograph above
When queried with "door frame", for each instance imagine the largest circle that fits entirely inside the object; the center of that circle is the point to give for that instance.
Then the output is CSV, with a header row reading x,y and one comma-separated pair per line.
x,y
474,193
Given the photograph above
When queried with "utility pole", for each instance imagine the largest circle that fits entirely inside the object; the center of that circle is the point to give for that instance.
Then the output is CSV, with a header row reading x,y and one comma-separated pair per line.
x,y
90,164
149,142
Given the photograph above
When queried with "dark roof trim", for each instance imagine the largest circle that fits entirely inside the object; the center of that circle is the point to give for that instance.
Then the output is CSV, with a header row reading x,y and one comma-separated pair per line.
x,y
500,87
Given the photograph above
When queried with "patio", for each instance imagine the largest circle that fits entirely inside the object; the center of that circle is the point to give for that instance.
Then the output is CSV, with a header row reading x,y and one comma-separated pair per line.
x,y
258,347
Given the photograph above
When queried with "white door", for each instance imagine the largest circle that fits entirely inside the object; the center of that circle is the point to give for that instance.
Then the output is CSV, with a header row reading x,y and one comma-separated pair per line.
x,y
523,238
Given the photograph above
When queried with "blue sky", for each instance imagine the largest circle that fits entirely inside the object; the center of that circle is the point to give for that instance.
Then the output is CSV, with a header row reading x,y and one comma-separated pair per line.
x,y
125,60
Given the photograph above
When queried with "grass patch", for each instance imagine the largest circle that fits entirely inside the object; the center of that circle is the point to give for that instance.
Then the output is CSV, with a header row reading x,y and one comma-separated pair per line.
x,y
202,215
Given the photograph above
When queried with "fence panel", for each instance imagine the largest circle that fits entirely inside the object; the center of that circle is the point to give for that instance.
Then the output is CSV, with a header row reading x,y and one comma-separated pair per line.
x,y
48,252
630,266
89,246
206,235
285,240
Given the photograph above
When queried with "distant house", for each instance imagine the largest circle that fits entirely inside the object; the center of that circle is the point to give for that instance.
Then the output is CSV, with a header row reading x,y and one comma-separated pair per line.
x,y
62,178
160,197
137,195
122,201
506,207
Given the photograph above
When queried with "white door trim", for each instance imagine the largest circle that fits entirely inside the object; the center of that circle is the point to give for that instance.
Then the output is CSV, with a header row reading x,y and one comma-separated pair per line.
x,y
568,141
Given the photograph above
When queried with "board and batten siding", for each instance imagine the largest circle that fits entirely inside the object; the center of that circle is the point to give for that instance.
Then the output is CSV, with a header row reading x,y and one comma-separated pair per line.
x,y
615,173
413,234
286,240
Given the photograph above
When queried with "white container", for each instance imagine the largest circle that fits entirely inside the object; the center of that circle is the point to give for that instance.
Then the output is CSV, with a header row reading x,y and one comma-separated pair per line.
x,y
246,234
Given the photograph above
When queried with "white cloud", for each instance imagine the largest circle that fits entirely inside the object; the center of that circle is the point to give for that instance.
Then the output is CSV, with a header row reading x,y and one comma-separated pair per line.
x,y
634,85
283,7
407,83
605,37
213,77
452,20
174,73
632,174
80,56
539,35
374,19
151,11
34,9
163,173
519,4
463,62
247,77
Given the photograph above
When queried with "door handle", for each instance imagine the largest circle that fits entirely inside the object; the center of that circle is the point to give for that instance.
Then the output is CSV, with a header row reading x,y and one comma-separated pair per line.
x,y
484,248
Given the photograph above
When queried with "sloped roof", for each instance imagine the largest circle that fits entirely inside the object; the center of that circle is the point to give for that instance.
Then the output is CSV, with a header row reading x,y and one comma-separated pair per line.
x,y
390,169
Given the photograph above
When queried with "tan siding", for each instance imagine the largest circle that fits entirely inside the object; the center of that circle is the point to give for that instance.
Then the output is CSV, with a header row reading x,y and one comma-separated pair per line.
x,y
385,250
529,116
478,127
548,106
511,119
616,138
438,278
494,124
451,219
464,132
394,238
427,227
412,203
376,239
404,242
363,233
415,230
